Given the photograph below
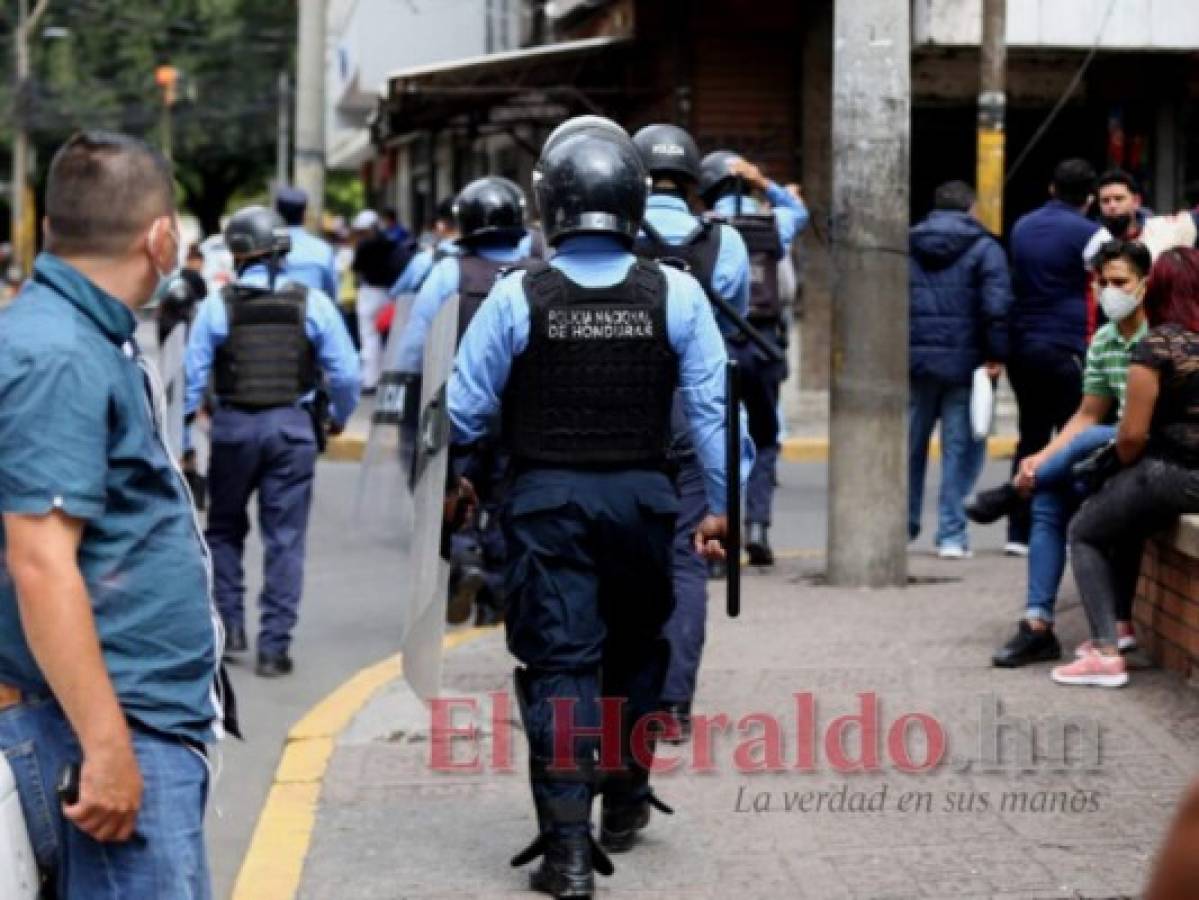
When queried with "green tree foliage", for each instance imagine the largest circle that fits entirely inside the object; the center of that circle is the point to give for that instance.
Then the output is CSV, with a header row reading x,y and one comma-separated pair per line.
x,y
100,74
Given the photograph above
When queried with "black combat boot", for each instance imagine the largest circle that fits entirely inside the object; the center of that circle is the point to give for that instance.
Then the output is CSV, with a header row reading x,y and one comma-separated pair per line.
x,y
566,868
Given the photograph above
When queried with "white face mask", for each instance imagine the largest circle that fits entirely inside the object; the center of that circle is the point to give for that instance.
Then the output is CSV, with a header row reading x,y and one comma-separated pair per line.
x,y
1118,305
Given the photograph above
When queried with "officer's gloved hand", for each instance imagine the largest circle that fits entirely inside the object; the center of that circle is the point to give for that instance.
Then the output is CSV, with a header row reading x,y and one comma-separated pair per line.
x,y
460,503
709,536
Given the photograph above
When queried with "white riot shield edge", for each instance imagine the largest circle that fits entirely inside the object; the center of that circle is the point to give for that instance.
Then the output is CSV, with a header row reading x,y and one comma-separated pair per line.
x,y
171,370
424,632
382,502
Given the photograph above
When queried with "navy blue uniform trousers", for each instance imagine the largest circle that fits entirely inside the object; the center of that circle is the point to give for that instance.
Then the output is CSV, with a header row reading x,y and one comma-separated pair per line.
x,y
685,630
589,591
761,380
273,453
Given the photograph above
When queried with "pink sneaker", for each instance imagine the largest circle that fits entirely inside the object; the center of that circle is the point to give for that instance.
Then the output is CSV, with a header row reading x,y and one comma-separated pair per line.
x,y
1093,669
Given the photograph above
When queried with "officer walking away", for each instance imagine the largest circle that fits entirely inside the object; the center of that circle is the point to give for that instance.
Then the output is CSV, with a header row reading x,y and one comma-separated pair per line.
x,y
445,237
724,179
374,267
108,640
267,339
490,216
311,260
585,354
715,255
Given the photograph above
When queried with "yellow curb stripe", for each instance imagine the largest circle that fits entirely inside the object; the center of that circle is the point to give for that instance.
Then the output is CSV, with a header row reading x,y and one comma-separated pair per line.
x,y
352,448
274,863
816,449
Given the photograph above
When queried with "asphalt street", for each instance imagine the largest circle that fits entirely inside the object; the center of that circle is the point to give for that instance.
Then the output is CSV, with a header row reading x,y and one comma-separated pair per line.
x,y
348,621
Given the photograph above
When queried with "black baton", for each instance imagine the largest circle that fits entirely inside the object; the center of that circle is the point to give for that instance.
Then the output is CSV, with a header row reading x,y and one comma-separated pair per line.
x,y
732,474
756,337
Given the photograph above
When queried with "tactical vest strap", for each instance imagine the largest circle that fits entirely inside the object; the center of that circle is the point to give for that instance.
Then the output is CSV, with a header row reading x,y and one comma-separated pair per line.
x,y
477,275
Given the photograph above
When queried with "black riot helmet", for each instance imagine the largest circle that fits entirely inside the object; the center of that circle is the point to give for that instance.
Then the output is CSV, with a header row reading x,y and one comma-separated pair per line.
x,y
256,232
715,180
490,210
590,180
668,152
583,123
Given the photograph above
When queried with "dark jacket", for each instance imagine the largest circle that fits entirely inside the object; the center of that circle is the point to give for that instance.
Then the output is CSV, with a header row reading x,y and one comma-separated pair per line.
x,y
1050,280
960,297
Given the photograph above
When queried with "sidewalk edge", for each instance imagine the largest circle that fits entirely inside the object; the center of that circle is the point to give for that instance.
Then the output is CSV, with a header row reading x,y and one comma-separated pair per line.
x,y
274,862
352,448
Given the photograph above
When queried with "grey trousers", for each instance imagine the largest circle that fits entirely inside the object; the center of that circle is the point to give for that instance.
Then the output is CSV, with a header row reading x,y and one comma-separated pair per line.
x,y
1108,534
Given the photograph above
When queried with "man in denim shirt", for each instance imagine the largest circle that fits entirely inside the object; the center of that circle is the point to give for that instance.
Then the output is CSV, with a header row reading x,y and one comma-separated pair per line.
x,y
107,635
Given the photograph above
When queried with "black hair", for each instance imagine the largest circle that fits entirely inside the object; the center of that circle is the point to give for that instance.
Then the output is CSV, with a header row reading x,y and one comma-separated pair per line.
x,y
956,196
1134,253
1119,176
1074,181
103,189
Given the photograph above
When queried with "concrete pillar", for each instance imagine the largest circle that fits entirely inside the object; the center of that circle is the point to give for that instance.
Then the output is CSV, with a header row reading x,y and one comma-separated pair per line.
x,y
867,543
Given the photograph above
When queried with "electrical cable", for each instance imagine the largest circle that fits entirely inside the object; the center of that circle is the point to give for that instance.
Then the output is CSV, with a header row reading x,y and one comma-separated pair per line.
x,y
1064,99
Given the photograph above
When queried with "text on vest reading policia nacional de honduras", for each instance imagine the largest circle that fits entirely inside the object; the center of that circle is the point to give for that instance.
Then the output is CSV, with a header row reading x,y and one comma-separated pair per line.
x,y
599,324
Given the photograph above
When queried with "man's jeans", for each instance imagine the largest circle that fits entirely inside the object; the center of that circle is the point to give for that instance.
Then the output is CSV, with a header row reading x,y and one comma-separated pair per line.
x,y
962,456
1055,500
164,858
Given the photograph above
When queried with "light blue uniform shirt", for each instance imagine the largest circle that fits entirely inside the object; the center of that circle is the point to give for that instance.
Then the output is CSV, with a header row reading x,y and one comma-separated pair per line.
x,y
322,323
311,262
790,215
441,284
499,333
418,267
730,279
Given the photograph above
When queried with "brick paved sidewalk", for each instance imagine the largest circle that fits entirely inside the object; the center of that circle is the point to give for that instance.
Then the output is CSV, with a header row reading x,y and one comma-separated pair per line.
x,y
388,827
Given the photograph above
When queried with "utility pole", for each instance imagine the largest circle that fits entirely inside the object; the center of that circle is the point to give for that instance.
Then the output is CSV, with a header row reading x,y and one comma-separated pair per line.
x,y
868,497
992,109
283,139
20,235
310,109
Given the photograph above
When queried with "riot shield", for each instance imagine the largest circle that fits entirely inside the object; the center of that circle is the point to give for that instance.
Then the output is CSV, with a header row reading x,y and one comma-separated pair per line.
x,y
170,369
428,572
383,501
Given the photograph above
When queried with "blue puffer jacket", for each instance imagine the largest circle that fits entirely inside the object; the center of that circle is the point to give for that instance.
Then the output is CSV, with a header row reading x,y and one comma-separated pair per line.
x,y
961,293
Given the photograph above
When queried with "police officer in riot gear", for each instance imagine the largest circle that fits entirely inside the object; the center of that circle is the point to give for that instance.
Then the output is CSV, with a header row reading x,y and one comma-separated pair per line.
x,y
716,256
723,182
490,214
585,354
267,340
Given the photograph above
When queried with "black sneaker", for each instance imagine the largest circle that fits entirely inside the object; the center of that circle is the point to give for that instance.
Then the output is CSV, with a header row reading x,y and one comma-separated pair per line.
x,y
757,545
235,640
273,665
1027,646
990,506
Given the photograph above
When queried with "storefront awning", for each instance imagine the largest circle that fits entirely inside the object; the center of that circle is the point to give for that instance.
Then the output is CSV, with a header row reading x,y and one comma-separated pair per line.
x,y
536,84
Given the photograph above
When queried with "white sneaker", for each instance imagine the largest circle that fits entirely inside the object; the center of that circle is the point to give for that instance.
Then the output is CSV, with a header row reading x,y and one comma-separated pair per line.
x,y
1015,548
950,551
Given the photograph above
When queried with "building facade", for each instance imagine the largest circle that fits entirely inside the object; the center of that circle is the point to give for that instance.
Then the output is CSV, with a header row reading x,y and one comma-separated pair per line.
x,y
757,77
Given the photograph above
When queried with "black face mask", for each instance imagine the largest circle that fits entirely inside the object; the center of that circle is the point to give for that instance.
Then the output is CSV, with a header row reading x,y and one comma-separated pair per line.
x,y
1117,226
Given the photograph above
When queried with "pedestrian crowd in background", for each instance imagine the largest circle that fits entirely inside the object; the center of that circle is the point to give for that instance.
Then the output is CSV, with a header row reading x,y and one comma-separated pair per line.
x,y
1094,321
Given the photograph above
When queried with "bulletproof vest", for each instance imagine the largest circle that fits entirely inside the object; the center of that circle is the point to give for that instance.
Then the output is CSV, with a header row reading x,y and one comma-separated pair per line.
x,y
698,250
267,360
594,386
761,237
476,278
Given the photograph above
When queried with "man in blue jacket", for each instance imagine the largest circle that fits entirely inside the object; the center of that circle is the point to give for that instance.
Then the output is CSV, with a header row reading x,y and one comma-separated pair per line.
x,y
960,298
1049,330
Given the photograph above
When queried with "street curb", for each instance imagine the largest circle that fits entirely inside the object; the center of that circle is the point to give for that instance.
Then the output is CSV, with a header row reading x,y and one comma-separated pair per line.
x,y
274,862
352,448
